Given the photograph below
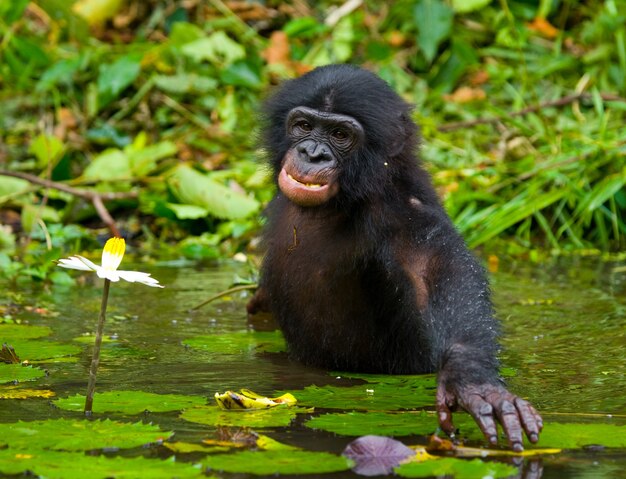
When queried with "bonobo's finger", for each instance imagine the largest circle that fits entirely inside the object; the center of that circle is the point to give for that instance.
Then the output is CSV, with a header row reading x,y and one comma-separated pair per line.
x,y
507,414
482,412
529,418
444,414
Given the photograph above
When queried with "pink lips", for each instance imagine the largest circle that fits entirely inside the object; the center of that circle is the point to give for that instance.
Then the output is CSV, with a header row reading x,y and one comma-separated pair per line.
x,y
301,191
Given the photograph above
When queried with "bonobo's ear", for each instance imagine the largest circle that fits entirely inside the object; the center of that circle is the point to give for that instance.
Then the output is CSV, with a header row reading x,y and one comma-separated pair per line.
x,y
404,132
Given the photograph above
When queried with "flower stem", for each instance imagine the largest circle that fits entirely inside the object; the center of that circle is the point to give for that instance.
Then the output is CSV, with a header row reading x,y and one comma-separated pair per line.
x,y
95,360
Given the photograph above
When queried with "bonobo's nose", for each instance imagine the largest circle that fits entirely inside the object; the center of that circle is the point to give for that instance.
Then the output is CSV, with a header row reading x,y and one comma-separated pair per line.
x,y
314,152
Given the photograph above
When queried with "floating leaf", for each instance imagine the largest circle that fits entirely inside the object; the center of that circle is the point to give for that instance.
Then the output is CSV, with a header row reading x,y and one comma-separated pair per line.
x,y
79,435
10,332
573,436
367,396
19,393
16,372
376,455
247,399
244,342
195,188
457,468
72,465
362,424
131,402
189,447
44,350
214,416
278,462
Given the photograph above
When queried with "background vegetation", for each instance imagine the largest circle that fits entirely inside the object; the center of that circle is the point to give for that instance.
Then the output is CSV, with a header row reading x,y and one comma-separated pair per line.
x,y
138,117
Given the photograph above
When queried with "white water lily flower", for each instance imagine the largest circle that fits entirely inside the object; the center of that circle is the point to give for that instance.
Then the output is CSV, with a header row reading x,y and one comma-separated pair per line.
x,y
112,255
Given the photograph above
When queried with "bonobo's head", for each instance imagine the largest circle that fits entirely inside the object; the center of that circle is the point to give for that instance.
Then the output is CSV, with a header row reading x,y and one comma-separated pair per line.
x,y
336,133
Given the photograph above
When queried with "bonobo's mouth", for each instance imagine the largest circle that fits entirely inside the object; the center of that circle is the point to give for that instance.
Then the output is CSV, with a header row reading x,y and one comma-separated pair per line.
x,y
305,190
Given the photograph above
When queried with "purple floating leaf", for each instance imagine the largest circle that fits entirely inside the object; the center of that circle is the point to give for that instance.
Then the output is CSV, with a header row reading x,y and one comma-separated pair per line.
x,y
376,455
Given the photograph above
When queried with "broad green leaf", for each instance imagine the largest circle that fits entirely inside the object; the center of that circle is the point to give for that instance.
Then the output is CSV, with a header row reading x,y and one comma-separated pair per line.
x,y
194,188
10,332
185,83
62,72
143,158
253,418
217,48
12,186
78,435
433,19
188,212
47,149
43,350
377,423
183,33
131,402
574,436
188,447
464,6
244,342
269,463
16,372
110,165
73,465
382,396
457,468
12,11
117,76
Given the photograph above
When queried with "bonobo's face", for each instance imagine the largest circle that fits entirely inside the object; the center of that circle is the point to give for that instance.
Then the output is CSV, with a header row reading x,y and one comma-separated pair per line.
x,y
320,141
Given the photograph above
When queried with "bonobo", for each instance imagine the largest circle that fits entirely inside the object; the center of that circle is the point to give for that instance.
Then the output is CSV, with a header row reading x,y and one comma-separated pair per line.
x,y
364,271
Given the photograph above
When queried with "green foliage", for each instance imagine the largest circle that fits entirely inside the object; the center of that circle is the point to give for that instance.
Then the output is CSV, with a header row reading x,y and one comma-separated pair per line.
x,y
17,373
457,468
54,464
131,402
269,463
367,396
235,344
168,116
379,423
78,435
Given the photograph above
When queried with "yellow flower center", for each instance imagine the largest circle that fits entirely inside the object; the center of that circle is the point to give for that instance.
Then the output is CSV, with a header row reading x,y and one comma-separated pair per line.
x,y
113,253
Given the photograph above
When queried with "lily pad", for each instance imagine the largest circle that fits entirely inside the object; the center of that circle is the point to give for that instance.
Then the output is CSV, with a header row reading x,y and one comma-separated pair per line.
x,y
457,468
189,447
268,463
243,342
78,435
54,464
574,436
214,416
11,332
131,402
22,393
413,381
382,423
44,350
16,372
382,396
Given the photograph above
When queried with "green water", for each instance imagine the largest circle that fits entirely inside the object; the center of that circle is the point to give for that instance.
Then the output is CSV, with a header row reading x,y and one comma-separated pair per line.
x,y
564,344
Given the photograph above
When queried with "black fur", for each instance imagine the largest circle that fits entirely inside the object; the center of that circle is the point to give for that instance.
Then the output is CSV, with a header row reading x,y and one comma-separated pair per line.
x,y
377,280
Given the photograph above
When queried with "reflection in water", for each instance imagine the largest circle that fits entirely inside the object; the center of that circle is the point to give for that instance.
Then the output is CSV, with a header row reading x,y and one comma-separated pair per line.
x,y
564,337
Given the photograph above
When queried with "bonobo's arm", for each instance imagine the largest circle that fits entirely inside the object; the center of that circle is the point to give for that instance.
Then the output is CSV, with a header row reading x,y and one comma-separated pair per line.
x,y
464,339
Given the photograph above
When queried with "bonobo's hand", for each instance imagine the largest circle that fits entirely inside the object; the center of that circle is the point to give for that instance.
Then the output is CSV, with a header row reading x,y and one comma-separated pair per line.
x,y
488,403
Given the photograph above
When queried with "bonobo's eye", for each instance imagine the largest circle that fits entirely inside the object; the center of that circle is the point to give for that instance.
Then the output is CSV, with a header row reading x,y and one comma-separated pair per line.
x,y
303,126
339,134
